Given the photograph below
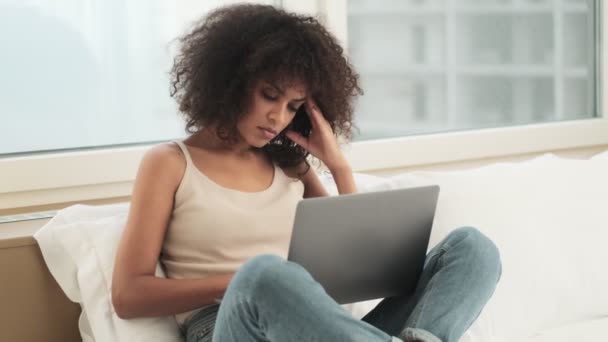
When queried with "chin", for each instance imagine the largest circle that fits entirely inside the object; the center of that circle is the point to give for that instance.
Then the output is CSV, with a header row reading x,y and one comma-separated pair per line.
x,y
258,143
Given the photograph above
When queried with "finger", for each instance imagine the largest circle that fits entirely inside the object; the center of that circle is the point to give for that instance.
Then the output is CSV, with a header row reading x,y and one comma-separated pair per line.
x,y
319,122
296,137
313,112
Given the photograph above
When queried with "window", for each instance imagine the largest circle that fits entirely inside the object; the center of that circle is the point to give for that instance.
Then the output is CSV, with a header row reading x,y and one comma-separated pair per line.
x,y
89,73
445,81
448,65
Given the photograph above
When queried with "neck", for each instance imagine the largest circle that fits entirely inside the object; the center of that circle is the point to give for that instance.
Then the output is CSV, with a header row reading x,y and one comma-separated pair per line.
x,y
207,138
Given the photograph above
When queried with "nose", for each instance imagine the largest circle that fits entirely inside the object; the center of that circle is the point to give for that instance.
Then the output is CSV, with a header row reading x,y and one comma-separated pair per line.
x,y
279,114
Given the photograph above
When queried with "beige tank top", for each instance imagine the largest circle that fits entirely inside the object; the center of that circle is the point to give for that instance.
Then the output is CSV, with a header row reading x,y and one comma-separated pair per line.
x,y
214,230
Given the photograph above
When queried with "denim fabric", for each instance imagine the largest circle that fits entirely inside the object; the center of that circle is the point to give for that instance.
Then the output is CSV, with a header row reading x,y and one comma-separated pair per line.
x,y
199,327
271,299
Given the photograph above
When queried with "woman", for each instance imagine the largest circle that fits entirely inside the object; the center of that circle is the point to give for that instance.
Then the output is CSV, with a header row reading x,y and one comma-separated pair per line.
x,y
261,89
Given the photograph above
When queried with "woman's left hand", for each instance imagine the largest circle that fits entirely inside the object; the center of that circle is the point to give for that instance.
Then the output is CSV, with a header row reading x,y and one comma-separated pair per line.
x,y
321,142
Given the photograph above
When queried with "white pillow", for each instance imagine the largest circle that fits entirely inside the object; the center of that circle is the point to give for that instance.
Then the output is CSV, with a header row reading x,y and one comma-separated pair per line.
x,y
591,330
363,182
603,155
549,218
78,246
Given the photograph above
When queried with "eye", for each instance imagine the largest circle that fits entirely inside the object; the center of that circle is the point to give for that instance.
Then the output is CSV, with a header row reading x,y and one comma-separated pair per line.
x,y
269,96
295,107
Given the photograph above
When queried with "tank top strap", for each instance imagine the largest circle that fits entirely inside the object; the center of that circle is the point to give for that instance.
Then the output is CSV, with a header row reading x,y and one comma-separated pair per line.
x,y
185,151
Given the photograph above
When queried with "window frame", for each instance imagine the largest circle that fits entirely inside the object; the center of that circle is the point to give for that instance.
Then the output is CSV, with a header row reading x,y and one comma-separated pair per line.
x,y
40,179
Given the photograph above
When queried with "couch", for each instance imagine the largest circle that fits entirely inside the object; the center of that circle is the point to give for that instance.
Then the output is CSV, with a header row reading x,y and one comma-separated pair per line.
x,y
547,215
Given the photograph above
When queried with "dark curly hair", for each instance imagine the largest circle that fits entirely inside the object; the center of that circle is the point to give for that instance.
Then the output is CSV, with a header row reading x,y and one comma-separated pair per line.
x,y
229,50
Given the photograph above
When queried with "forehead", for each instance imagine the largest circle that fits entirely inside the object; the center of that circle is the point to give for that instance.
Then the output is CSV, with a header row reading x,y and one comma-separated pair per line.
x,y
294,88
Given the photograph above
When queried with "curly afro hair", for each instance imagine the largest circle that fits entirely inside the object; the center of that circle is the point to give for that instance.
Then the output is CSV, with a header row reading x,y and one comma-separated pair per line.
x,y
229,50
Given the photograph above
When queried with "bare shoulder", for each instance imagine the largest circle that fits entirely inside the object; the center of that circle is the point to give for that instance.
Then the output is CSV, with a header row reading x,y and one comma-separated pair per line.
x,y
166,151
166,160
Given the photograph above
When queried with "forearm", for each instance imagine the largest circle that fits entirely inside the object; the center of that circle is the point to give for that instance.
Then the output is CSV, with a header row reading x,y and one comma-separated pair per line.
x,y
312,185
150,296
345,181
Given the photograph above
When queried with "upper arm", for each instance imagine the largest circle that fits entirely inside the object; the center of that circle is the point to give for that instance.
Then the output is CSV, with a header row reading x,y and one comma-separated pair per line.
x,y
158,177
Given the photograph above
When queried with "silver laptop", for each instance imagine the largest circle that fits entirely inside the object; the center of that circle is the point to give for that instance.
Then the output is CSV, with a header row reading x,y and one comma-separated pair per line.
x,y
366,245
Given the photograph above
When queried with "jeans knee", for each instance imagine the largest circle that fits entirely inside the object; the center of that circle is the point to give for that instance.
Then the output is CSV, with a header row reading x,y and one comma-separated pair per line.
x,y
480,248
257,269
258,274
262,262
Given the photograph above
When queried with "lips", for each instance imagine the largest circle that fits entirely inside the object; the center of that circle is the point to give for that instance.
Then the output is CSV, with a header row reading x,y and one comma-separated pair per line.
x,y
268,132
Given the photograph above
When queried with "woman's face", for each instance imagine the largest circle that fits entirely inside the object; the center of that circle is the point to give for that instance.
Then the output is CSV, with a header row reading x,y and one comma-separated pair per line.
x,y
272,109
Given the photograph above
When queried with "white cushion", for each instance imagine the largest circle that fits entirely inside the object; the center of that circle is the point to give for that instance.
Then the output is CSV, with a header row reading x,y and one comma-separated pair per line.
x,y
549,218
586,331
603,155
78,246
364,182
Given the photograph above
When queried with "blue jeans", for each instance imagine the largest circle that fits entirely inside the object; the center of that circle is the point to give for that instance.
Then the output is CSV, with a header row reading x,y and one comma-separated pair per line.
x,y
270,299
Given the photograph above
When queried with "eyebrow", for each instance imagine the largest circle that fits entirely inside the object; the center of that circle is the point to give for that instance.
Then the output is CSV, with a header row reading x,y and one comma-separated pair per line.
x,y
283,93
